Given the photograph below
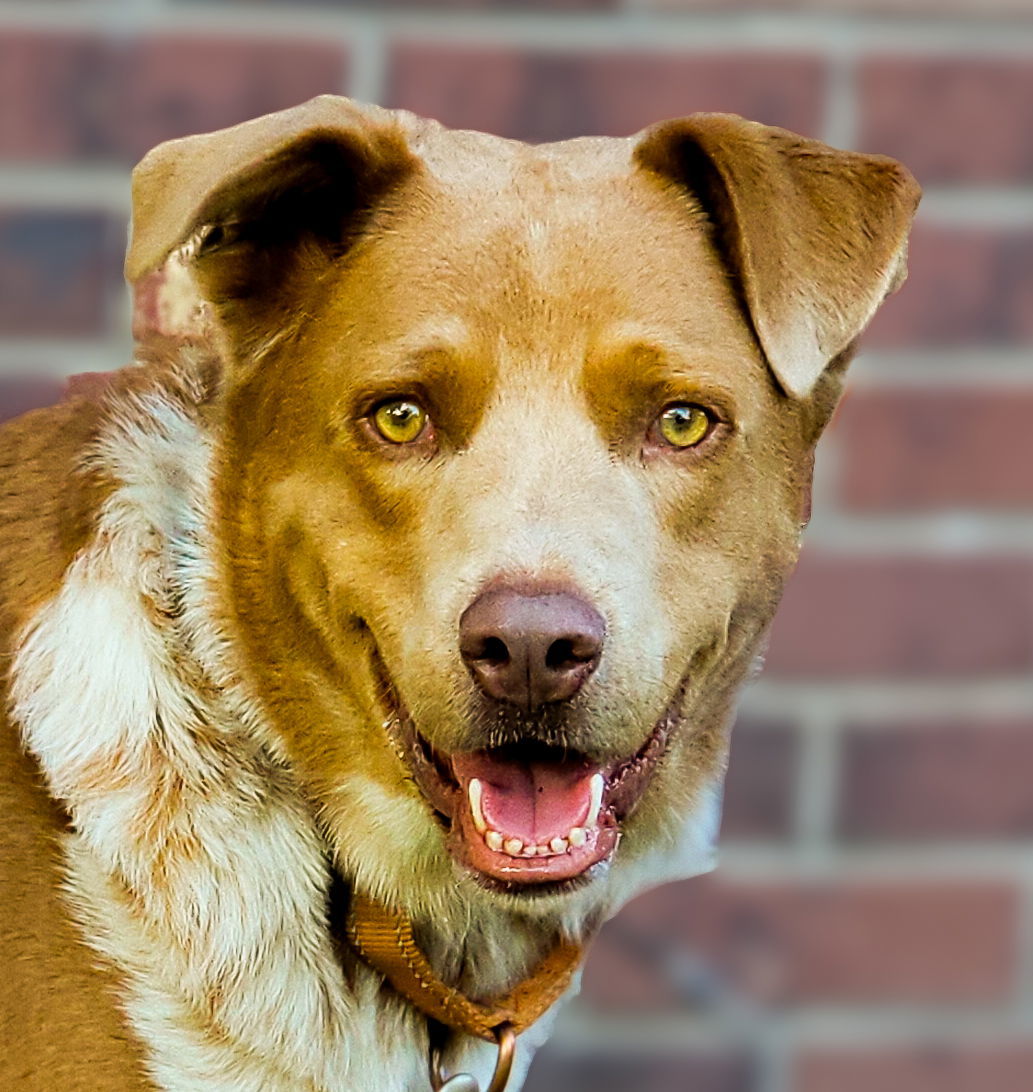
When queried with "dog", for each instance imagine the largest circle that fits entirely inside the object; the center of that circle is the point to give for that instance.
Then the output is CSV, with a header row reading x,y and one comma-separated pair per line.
x,y
369,651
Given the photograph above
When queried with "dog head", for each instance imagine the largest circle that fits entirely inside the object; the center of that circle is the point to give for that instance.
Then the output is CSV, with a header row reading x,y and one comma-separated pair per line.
x,y
513,452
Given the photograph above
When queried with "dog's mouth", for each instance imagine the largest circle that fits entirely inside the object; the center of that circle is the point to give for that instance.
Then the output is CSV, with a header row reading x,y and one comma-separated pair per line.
x,y
528,816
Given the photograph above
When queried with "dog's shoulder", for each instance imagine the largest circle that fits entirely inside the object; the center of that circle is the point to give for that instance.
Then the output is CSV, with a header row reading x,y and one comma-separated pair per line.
x,y
47,501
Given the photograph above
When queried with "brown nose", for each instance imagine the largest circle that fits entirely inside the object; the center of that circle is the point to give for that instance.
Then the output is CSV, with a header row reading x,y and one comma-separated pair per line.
x,y
530,648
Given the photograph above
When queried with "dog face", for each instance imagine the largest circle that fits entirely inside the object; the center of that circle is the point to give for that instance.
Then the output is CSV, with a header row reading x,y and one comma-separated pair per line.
x,y
514,453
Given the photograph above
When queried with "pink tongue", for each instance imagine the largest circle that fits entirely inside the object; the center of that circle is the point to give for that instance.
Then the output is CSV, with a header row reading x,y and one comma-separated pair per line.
x,y
532,801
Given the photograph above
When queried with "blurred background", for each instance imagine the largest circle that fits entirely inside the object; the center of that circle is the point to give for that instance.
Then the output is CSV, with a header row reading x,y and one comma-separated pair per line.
x,y
871,923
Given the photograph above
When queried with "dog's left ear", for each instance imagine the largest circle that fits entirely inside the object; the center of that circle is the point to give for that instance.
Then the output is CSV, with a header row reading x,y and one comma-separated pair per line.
x,y
251,202
817,238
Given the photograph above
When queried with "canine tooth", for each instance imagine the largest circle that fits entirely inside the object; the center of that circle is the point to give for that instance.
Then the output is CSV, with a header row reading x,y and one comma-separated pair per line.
x,y
577,837
475,792
494,840
597,785
513,846
559,845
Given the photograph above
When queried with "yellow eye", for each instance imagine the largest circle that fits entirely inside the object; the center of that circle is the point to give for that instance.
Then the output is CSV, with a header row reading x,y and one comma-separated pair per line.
x,y
400,421
684,424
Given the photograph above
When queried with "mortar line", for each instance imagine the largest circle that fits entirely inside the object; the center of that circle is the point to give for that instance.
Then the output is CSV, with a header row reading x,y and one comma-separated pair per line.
x,y
774,1050
632,28
52,358
119,321
67,186
962,533
1024,945
367,53
996,206
915,861
817,782
873,702
848,1025
825,493
948,368
782,31
840,124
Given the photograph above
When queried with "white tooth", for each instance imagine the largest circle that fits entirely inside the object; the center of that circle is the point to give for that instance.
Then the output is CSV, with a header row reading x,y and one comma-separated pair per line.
x,y
542,851
513,846
494,840
559,845
530,851
475,806
577,836
597,785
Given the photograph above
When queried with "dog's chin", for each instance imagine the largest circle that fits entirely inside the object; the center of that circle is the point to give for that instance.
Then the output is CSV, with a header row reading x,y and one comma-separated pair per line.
x,y
529,820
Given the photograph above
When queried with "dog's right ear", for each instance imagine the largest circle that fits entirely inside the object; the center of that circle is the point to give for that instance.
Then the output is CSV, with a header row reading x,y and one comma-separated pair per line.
x,y
252,200
813,237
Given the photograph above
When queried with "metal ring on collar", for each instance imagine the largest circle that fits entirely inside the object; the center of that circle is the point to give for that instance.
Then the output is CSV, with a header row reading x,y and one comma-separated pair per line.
x,y
505,1038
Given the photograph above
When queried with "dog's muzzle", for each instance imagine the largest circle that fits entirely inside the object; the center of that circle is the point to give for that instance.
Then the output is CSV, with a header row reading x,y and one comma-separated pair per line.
x,y
529,813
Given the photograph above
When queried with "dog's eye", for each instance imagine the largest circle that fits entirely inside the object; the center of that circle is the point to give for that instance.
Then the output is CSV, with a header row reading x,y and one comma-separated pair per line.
x,y
684,424
401,421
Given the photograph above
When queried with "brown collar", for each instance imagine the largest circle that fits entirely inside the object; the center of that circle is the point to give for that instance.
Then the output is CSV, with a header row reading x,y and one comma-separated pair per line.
x,y
384,939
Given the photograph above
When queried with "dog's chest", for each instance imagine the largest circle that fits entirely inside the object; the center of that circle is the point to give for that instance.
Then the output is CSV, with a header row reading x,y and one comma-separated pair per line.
x,y
365,1040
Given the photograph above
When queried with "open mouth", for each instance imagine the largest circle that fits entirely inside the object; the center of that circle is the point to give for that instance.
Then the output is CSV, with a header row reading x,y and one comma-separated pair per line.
x,y
528,814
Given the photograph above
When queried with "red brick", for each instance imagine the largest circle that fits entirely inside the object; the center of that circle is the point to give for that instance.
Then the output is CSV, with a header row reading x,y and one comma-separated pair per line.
x,y
761,783
180,85
908,450
551,95
951,119
967,286
938,781
652,1072
808,943
52,79
19,394
907,617
90,97
939,1067
56,272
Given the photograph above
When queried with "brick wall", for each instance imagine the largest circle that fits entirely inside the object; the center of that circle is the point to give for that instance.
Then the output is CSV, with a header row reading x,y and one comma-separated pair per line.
x,y
871,926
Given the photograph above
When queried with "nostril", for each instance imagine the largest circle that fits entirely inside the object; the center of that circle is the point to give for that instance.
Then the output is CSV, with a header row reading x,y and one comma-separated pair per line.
x,y
484,648
559,655
493,650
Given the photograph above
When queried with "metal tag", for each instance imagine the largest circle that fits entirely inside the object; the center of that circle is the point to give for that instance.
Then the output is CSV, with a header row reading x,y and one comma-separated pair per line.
x,y
461,1082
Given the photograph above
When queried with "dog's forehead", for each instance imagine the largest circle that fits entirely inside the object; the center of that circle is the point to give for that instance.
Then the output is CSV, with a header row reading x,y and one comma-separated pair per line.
x,y
554,253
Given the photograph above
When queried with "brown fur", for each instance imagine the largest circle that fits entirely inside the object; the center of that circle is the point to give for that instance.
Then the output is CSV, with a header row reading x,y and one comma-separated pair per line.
x,y
545,304
61,1027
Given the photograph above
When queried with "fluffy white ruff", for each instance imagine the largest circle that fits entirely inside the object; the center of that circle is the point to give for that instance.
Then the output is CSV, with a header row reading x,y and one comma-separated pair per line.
x,y
196,869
